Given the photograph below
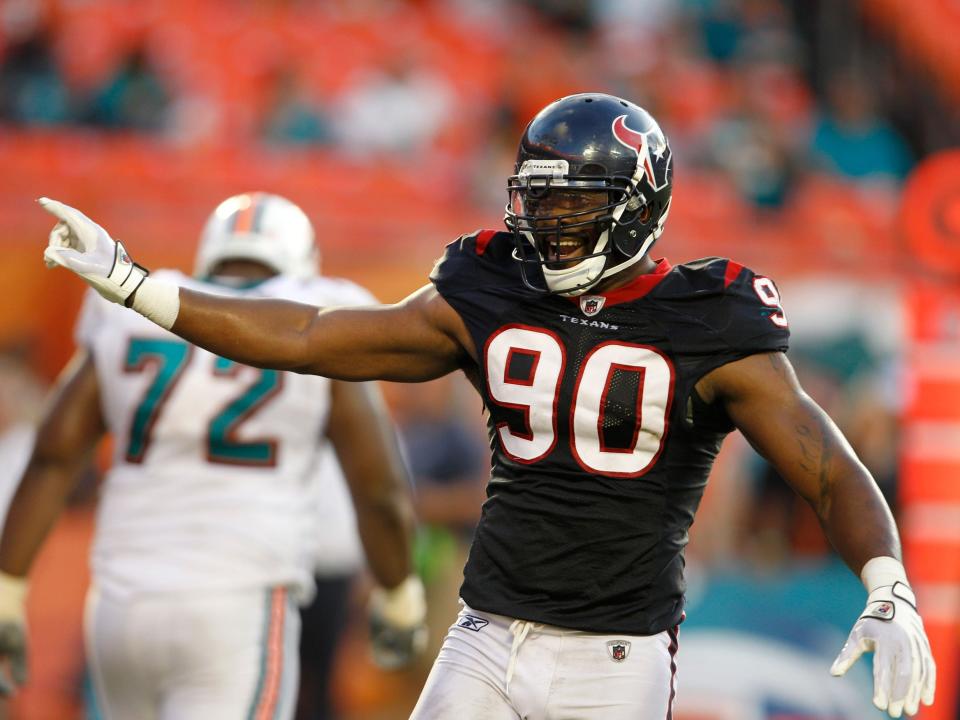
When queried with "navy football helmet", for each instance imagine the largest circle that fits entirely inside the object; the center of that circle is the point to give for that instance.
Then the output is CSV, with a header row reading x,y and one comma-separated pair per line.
x,y
592,170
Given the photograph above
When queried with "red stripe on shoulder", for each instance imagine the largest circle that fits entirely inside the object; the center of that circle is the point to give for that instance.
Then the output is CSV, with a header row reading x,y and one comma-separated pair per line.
x,y
732,273
483,239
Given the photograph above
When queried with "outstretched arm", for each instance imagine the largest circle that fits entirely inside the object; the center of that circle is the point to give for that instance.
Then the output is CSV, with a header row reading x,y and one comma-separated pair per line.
x,y
763,398
418,339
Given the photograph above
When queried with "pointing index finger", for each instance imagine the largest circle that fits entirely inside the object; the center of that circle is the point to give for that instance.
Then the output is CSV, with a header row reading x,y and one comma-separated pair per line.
x,y
64,212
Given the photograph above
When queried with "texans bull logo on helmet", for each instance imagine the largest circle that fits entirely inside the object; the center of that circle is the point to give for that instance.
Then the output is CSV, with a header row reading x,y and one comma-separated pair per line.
x,y
653,153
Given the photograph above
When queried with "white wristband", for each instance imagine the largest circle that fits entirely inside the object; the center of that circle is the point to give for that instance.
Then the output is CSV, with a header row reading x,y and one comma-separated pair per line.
x,y
405,605
883,572
13,593
159,301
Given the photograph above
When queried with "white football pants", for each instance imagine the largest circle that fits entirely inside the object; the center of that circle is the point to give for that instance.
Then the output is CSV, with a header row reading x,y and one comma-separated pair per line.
x,y
493,667
207,656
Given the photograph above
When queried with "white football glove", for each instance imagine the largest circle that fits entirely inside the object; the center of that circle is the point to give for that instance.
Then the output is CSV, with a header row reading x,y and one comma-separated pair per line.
x,y
13,633
904,672
398,631
79,244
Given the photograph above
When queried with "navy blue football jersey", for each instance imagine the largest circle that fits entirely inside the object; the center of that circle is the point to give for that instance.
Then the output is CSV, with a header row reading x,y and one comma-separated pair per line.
x,y
600,447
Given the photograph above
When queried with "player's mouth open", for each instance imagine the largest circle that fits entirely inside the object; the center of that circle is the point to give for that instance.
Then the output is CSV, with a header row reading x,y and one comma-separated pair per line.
x,y
567,249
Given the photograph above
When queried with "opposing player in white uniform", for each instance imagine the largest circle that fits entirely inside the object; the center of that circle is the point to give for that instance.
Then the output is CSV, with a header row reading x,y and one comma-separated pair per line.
x,y
206,532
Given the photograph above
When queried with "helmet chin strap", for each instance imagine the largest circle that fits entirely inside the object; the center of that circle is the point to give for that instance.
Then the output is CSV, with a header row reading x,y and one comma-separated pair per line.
x,y
585,275
576,280
642,251
630,260
644,248
592,281
582,276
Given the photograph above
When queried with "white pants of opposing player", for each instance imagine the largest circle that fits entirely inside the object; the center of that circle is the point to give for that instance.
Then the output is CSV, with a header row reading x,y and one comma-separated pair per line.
x,y
204,656
496,668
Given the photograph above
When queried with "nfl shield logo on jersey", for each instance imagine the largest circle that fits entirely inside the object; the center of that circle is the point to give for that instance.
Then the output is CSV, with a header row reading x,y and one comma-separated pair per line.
x,y
591,304
618,649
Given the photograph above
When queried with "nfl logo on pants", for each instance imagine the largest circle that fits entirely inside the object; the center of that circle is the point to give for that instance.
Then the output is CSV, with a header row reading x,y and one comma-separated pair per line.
x,y
618,649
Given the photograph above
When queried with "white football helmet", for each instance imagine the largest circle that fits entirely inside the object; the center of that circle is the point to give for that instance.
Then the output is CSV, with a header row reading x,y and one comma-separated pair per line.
x,y
262,227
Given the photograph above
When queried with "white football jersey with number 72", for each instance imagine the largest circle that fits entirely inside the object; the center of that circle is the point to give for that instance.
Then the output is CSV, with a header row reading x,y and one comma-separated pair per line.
x,y
221,475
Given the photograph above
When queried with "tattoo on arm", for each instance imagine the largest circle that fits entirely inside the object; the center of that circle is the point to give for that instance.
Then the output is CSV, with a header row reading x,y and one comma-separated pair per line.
x,y
804,439
817,461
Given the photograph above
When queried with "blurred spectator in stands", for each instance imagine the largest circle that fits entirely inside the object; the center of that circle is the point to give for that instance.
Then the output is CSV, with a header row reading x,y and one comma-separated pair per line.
x,y
133,98
721,28
852,140
493,159
489,17
32,89
398,108
570,16
197,116
729,30
294,116
633,29
758,158
752,143
759,136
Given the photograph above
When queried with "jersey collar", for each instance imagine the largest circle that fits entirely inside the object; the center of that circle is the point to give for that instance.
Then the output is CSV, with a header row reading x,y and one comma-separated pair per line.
x,y
640,286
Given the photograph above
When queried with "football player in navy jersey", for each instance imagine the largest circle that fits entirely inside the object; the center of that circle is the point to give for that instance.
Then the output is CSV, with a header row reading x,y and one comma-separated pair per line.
x,y
610,379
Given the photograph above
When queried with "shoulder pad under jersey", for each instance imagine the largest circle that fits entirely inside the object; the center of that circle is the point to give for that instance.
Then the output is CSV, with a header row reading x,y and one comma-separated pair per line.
x,y
479,261
742,309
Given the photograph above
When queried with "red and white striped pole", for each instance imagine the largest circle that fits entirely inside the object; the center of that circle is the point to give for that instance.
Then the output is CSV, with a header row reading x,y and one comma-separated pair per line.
x,y
929,483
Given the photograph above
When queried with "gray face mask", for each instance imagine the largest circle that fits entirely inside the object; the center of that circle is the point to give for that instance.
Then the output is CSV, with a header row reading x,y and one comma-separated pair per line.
x,y
235,282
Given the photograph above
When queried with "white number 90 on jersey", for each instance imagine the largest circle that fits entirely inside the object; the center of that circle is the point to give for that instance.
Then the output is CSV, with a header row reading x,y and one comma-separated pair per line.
x,y
537,396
